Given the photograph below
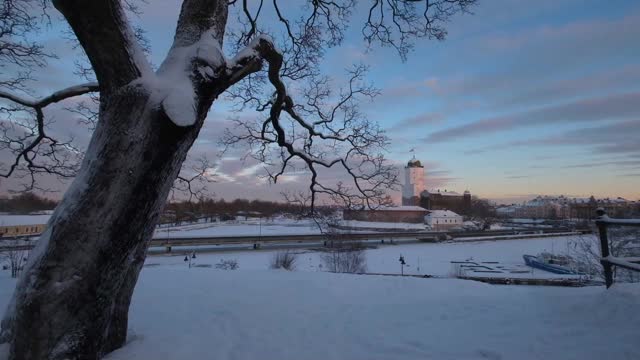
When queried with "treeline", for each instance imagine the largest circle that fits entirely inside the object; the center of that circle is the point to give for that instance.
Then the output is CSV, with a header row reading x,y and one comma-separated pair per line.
x,y
480,208
25,203
222,207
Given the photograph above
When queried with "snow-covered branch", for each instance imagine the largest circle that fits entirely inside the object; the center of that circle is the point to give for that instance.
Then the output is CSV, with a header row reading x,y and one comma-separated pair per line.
x,y
54,97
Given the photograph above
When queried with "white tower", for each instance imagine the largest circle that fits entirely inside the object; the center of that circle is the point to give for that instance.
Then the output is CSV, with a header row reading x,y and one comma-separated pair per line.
x,y
414,183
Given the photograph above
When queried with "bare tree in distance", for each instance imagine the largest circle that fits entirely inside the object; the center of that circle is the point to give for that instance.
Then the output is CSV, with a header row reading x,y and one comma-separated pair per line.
x,y
345,257
227,264
15,257
73,298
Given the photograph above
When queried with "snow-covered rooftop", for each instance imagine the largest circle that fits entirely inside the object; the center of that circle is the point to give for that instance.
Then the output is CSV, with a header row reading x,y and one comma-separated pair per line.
x,y
441,213
444,192
403,208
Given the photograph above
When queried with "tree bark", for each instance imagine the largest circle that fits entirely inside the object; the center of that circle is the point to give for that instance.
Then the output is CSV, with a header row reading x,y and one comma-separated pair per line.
x,y
73,299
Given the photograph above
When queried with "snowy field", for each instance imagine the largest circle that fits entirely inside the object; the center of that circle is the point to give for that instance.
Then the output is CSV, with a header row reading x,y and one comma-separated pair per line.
x,y
216,314
421,258
257,313
240,228
250,227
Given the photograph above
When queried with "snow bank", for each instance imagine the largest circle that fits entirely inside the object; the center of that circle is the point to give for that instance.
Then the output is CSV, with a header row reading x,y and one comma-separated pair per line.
x,y
215,314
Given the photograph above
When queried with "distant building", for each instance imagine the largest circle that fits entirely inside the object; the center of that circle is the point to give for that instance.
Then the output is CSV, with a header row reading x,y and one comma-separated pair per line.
x,y
446,200
21,230
22,225
443,220
415,193
397,214
562,207
414,183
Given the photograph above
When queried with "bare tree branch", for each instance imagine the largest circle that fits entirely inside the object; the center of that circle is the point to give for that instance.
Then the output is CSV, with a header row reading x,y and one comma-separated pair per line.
x,y
19,55
397,23
29,141
193,179
318,144
103,31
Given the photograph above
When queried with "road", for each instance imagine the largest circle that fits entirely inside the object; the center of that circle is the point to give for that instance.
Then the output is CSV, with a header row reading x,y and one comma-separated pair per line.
x,y
311,240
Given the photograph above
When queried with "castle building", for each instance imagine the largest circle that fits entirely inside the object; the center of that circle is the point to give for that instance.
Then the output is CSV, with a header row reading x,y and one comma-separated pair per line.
x,y
446,200
414,183
415,193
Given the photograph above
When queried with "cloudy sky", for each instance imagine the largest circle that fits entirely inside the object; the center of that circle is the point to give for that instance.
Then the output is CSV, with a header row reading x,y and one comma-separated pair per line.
x,y
523,98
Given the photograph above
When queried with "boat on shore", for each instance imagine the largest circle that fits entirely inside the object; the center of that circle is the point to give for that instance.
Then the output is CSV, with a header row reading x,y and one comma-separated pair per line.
x,y
549,263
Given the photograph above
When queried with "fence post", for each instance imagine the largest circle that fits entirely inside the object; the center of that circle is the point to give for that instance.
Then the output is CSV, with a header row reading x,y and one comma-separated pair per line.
x,y
604,246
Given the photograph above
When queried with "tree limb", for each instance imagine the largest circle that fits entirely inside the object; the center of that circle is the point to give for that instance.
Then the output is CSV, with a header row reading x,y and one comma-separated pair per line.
x,y
32,141
369,174
106,37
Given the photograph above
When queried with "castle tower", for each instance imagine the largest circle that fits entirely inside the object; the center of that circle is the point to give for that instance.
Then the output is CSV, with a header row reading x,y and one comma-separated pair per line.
x,y
466,202
414,183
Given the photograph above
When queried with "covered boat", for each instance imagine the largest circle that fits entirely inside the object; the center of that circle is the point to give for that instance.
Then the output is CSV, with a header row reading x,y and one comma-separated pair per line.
x,y
546,264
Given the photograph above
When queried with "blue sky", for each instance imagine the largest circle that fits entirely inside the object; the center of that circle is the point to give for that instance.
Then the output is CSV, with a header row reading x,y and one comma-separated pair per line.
x,y
523,98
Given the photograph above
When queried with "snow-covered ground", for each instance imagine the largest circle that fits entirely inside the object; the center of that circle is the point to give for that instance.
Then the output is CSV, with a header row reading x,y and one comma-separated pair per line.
x,y
254,227
257,313
11,220
354,224
421,258
250,227
240,228
216,314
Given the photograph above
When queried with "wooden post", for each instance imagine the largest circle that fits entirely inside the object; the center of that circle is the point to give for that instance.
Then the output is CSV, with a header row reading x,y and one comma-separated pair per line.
x,y
604,246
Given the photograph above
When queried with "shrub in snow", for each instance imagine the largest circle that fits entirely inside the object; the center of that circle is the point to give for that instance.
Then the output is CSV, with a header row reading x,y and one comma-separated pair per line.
x,y
284,260
230,264
443,237
14,258
585,253
346,258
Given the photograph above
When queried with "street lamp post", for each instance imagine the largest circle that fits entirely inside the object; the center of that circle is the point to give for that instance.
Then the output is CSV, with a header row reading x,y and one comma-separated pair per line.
x,y
188,258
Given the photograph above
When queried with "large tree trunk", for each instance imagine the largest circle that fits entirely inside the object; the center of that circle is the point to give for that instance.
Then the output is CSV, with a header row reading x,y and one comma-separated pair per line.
x,y
73,299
